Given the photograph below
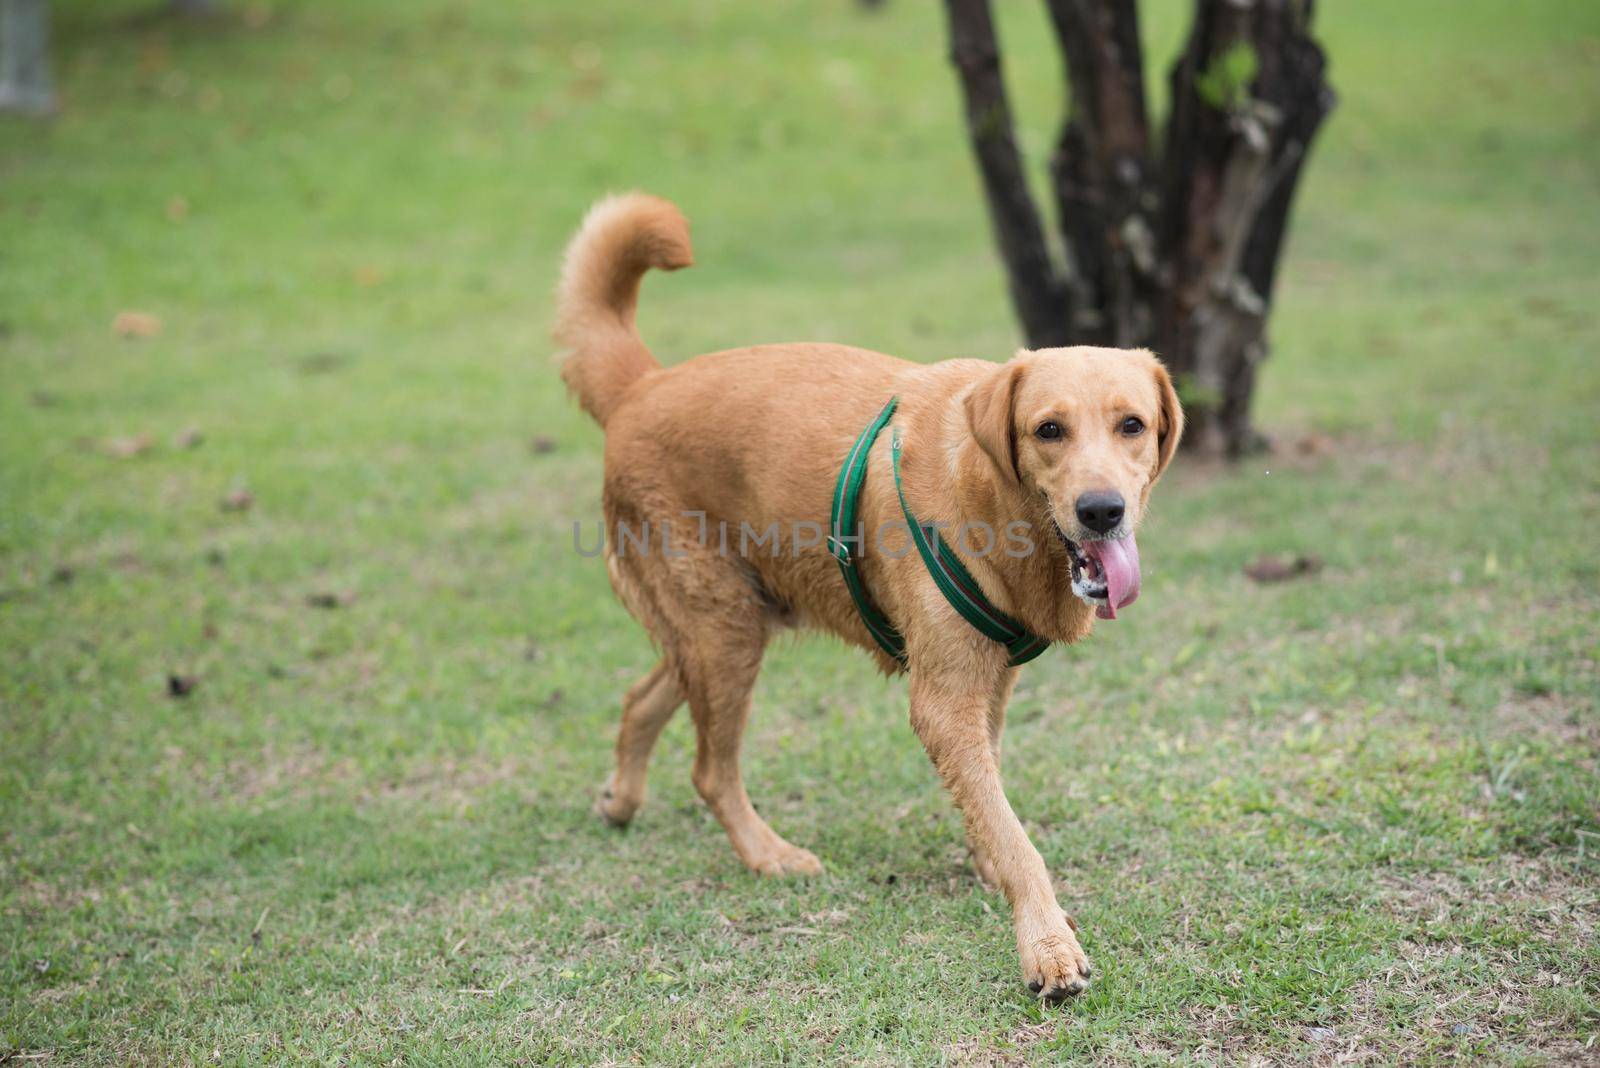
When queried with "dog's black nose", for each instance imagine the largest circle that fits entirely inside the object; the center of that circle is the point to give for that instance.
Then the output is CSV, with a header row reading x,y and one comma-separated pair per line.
x,y
1100,510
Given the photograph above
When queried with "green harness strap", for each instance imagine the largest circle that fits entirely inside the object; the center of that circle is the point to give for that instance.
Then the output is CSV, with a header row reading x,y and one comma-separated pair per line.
x,y
960,588
846,506
955,582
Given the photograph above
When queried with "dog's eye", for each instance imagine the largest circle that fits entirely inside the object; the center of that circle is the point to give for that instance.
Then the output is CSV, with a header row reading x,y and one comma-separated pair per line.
x,y
1048,431
1132,426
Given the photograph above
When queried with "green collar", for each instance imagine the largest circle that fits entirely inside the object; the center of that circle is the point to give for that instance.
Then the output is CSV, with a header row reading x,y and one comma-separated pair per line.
x,y
955,582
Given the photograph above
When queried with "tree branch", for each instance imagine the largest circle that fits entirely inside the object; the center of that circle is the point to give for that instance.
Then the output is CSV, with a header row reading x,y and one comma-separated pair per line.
x,y
1037,290
1291,59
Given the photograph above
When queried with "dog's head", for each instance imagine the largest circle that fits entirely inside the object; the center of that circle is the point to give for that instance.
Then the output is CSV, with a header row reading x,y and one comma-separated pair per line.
x,y
1089,430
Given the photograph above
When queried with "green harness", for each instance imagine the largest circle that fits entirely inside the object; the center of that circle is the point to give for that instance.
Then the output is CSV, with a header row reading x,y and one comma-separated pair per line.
x,y
955,582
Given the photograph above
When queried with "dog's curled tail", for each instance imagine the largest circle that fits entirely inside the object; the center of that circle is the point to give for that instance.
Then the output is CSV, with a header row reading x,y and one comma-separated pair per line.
x,y
622,238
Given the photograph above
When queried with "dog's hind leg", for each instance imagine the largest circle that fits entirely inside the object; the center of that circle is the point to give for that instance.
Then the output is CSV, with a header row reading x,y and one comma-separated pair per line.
x,y
711,619
720,673
645,711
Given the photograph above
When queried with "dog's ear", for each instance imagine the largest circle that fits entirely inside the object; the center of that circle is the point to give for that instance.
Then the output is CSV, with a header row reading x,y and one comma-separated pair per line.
x,y
1171,428
989,412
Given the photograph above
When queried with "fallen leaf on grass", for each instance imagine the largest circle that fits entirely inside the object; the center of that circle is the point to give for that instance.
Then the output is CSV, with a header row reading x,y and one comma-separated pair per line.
x,y
154,55
331,600
181,685
1314,445
127,448
320,363
177,209
136,324
239,500
1281,568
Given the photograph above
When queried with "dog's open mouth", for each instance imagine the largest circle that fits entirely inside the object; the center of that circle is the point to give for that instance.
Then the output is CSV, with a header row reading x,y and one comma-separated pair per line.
x,y
1105,572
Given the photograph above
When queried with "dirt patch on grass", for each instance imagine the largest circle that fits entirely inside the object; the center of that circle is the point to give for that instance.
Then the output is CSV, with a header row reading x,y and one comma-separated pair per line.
x,y
1568,722
1466,450
1520,986
1007,1051
271,773
37,898
304,772
1558,902
1430,1003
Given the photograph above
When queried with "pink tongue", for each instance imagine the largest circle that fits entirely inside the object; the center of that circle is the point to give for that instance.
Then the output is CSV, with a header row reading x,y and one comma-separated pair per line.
x,y
1119,560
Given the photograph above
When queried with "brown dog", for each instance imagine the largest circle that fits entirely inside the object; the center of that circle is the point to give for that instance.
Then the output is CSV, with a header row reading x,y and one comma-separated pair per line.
x,y
719,475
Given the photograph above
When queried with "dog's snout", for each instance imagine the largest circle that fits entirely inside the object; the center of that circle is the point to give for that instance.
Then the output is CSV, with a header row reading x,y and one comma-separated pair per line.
x,y
1100,510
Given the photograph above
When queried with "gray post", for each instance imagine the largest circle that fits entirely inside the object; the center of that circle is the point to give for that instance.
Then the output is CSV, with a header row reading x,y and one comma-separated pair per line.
x,y
25,57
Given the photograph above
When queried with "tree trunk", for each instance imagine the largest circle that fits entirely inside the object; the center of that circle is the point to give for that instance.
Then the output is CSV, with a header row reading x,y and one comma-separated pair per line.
x,y
1178,254
25,85
1248,96
1102,171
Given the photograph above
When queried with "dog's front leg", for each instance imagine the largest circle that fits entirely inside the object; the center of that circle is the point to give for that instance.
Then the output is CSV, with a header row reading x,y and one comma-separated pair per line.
x,y
950,711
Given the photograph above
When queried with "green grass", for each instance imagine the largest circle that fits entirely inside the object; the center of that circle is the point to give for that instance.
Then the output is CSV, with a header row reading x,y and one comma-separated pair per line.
x,y
1353,816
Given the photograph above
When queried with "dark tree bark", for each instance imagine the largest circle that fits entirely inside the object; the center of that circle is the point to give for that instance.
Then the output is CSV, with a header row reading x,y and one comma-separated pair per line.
x,y
1178,253
25,85
1102,170
1037,290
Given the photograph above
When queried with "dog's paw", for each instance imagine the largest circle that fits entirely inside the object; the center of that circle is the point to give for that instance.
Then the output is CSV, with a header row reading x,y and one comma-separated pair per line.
x,y
781,858
1054,965
614,809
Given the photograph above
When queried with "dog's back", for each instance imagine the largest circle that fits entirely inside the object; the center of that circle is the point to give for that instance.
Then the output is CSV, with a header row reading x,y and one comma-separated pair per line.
x,y
745,435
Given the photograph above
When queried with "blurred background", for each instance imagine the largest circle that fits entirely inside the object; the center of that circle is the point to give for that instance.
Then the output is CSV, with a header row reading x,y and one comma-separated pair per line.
x,y
304,694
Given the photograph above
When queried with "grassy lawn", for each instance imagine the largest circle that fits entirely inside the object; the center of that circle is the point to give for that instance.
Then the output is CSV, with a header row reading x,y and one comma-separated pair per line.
x,y
1354,817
